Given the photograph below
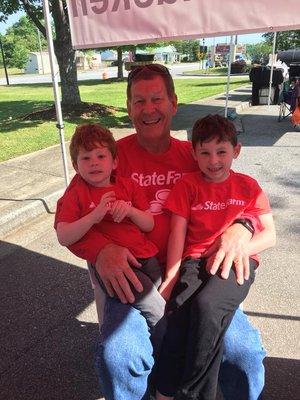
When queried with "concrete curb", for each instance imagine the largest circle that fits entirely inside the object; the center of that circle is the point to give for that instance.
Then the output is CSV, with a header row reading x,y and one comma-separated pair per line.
x,y
30,209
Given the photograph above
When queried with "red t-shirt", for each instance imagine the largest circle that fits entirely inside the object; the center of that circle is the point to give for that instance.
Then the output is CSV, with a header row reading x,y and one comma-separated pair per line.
x,y
82,198
156,174
211,208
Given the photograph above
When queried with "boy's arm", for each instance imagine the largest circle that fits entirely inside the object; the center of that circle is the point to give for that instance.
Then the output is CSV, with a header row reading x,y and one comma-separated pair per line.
x,y
265,238
174,256
143,219
70,232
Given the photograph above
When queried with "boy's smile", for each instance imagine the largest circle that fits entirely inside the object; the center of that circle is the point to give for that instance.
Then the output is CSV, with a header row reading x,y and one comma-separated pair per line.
x,y
215,159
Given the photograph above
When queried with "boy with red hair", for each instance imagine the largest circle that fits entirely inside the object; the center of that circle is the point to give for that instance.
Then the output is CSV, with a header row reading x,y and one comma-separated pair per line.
x,y
115,206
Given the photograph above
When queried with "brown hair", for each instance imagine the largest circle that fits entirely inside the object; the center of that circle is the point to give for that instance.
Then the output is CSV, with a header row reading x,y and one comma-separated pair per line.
x,y
148,72
214,127
89,136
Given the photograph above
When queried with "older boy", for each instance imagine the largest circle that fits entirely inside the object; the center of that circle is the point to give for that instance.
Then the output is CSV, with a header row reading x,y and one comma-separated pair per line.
x,y
202,205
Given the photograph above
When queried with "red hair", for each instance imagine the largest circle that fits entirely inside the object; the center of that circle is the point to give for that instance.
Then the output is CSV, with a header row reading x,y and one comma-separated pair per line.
x,y
90,136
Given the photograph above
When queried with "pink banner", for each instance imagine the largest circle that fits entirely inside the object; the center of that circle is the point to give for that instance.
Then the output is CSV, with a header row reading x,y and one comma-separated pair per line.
x,y
96,23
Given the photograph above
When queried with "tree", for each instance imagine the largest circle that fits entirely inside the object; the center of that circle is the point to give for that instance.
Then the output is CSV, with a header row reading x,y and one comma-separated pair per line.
x,y
65,55
259,52
188,48
19,40
287,40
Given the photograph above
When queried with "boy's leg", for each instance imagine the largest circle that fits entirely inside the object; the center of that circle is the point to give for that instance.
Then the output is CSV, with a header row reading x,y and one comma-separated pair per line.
x,y
242,373
212,309
149,301
123,359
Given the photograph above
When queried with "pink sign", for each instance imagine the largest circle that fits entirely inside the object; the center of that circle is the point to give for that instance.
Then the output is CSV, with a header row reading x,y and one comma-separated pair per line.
x,y
96,23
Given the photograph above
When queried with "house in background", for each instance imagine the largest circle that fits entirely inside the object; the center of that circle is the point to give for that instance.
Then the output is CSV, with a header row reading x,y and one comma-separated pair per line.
x,y
38,63
166,54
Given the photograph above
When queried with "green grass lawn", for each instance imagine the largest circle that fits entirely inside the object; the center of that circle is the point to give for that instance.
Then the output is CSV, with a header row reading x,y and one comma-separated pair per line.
x,y
19,135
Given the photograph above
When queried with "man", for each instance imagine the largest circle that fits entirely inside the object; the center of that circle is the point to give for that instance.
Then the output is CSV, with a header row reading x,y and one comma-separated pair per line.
x,y
156,161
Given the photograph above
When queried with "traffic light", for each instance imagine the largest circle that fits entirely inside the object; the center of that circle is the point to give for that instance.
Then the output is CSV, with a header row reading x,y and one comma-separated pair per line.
x,y
203,49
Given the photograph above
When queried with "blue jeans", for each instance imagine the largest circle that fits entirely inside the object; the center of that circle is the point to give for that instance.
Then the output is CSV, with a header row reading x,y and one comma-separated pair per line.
x,y
124,357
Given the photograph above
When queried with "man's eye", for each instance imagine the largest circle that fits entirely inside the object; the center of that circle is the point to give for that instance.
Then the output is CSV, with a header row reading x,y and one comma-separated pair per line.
x,y
101,156
222,152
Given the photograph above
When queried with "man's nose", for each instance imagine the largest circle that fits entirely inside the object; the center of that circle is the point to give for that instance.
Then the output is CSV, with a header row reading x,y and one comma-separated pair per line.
x,y
149,106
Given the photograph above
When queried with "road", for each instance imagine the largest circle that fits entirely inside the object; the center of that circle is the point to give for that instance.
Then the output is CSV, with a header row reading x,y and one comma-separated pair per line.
x,y
176,71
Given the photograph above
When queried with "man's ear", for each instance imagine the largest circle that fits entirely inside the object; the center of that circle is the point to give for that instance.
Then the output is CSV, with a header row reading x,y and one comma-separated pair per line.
x,y
237,150
174,103
128,108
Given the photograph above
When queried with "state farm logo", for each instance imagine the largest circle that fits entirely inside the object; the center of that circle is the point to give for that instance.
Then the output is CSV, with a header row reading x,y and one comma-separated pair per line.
x,y
198,207
219,205
156,206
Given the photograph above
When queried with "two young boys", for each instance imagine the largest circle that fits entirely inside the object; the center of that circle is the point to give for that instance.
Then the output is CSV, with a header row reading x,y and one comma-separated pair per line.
x,y
203,205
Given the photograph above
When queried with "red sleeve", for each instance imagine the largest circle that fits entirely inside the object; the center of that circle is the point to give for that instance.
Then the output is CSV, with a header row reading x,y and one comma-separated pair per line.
x,y
68,210
258,206
89,246
179,200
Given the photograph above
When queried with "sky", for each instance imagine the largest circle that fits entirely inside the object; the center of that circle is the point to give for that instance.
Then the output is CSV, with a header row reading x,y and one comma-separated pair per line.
x,y
242,39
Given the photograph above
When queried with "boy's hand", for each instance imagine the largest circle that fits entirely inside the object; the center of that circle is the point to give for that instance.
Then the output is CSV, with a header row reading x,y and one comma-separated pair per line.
x,y
119,210
105,205
165,289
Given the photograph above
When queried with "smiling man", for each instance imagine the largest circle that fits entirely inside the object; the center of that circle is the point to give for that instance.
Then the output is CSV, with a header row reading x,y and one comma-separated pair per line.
x,y
156,161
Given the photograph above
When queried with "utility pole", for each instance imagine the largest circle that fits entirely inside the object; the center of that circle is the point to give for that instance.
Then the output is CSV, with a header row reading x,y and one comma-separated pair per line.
x,y
40,47
4,62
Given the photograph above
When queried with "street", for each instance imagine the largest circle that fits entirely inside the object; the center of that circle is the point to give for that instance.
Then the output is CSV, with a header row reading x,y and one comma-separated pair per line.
x,y
176,71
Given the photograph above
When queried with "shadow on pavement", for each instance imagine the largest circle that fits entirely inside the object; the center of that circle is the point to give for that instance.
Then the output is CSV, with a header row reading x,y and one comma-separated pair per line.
x,y
282,379
45,351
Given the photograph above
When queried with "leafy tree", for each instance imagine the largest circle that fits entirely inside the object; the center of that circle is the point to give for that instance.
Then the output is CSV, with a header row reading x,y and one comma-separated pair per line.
x,y
287,40
189,48
19,40
64,52
259,51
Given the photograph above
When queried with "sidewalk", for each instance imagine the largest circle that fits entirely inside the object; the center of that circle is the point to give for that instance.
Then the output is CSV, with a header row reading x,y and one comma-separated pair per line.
x,y
31,184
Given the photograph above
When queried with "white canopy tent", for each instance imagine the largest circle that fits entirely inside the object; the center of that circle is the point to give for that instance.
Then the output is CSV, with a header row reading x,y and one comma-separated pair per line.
x,y
104,23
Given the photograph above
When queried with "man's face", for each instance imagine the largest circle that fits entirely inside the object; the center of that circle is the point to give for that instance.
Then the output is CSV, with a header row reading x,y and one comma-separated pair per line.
x,y
151,109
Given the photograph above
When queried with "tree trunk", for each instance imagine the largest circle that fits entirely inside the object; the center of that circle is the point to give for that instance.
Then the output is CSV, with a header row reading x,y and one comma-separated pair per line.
x,y
65,56
120,62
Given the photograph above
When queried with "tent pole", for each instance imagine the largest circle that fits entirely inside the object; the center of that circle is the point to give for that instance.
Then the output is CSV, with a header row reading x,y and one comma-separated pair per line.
x,y
59,125
272,68
230,60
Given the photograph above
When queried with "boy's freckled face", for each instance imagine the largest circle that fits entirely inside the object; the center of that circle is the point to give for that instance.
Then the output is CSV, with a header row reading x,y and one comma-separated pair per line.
x,y
215,159
96,166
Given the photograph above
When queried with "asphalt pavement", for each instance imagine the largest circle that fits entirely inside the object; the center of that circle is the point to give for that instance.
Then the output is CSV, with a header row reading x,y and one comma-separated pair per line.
x,y
48,319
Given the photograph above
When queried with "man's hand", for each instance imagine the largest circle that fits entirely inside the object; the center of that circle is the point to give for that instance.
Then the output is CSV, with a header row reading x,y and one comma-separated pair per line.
x,y
114,268
231,248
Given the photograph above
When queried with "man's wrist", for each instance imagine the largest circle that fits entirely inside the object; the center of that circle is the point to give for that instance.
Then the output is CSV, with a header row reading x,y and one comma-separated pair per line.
x,y
246,223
